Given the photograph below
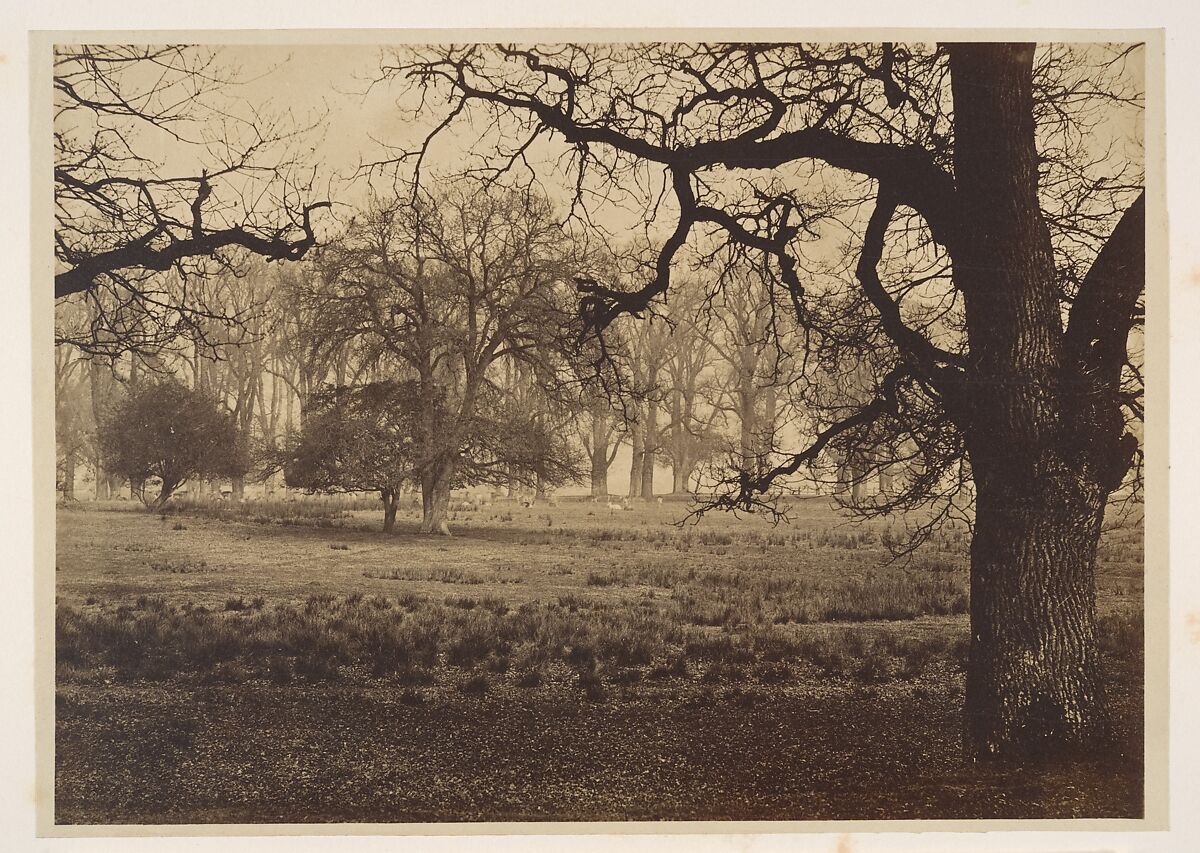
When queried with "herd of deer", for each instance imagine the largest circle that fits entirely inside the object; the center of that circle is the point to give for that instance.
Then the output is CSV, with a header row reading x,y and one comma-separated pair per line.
x,y
625,505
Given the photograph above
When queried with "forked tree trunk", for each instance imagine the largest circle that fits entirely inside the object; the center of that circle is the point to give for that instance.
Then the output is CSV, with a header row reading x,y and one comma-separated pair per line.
x,y
164,493
647,490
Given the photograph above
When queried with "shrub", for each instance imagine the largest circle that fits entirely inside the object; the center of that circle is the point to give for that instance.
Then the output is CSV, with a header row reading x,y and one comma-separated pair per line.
x,y
475,640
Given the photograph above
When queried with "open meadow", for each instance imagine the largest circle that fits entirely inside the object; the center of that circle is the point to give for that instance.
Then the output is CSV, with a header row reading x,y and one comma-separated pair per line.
x,y
288,662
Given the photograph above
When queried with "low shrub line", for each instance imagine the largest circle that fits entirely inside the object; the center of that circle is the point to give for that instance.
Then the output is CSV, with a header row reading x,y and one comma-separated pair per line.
x,y
410,638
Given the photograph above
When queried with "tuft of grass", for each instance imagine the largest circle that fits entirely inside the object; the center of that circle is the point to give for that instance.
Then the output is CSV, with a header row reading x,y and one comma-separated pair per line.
x,y
447,574
603,579
476,685
1121,635
181,567
721,673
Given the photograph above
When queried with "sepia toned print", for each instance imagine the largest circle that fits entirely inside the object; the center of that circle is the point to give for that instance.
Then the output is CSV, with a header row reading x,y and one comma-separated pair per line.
x,y
599,432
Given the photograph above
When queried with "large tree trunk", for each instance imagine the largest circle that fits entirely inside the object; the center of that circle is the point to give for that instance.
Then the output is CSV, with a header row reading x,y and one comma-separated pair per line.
x,y
649,452
637,438
1032,684
69,477
747,396
106,484
435,499
766,437
679,479
103,480
599,452
599,478
238,487
391,500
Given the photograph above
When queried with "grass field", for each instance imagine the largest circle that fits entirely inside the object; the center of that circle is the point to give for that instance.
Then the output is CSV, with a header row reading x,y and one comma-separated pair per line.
x,y
287,662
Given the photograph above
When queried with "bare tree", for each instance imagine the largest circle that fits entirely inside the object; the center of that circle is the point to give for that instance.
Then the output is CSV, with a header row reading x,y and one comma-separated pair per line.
x,y
446,287
648,355
689,436
70,416
982,157
130,235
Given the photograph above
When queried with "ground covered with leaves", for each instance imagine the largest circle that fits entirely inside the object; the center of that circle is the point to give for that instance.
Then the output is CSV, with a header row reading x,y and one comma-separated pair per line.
x,y
565,663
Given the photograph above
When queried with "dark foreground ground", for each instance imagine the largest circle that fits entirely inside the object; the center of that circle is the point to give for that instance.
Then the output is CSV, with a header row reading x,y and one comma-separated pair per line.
x,y
268,754
579,674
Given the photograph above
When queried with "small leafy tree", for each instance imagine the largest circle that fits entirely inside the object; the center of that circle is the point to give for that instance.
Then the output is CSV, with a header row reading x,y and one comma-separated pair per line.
x,y
167,431
358,439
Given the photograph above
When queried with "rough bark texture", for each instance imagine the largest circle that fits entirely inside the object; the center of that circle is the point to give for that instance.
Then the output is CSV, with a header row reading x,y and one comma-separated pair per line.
x,y
1032,680
1032,683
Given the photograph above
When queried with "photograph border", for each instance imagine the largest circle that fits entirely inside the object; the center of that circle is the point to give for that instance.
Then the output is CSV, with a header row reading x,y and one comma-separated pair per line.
x,y
1156,602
